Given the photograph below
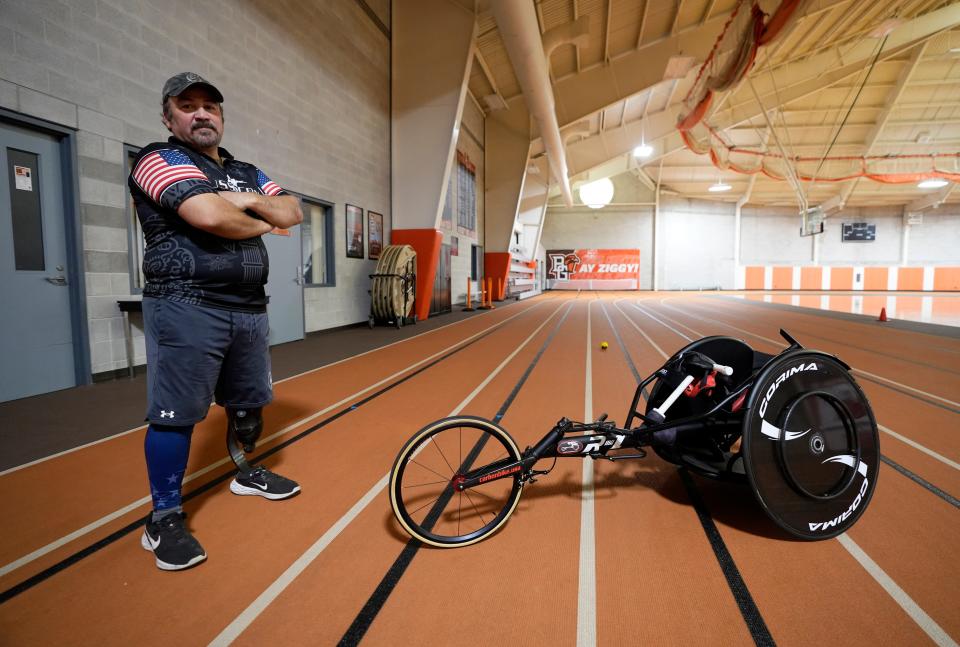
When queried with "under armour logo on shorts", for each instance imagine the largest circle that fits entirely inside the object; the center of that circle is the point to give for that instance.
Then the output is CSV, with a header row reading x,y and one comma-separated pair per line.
x,y
166,414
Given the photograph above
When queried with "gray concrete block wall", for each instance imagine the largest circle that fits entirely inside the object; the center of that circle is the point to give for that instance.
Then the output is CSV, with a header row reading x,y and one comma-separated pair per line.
x,y
307,96
937,240
696,244
770,236
885,250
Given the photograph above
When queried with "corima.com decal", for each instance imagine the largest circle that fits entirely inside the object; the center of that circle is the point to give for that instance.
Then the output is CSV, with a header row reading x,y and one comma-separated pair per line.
x,y
571,264
775,433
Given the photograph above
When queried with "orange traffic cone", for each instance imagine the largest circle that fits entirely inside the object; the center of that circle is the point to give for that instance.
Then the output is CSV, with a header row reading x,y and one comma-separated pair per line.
x,y
883,314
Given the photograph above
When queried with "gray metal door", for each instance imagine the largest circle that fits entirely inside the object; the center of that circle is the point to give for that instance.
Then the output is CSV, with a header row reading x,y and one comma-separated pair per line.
x,y
36,338
440,302
285,286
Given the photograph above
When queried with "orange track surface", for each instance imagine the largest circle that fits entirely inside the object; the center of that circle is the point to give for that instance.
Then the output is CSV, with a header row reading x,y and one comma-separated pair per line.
x,y
657,578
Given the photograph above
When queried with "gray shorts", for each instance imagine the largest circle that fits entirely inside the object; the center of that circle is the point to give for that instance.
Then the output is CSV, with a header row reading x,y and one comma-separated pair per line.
x,y
196,354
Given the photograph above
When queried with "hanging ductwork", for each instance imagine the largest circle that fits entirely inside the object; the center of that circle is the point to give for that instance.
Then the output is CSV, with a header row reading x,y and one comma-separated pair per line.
x,y
517,21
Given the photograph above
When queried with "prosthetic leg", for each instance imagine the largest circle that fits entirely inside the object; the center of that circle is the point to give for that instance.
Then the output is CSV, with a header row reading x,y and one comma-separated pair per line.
x,y
244,427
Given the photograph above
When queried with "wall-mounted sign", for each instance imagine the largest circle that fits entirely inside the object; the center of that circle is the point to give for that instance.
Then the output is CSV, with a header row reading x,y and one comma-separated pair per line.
x,y
593,269
22,180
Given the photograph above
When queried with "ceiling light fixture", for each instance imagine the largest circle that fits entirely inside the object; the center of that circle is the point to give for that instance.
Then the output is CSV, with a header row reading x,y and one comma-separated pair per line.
x,y
933,183
719,187
643,150
597,194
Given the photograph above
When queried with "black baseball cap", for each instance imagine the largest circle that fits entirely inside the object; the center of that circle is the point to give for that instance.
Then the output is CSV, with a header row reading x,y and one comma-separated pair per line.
x,y
177,84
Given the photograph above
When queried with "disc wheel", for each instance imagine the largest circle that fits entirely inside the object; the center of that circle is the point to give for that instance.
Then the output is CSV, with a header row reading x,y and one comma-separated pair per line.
x,y
810,445
422,482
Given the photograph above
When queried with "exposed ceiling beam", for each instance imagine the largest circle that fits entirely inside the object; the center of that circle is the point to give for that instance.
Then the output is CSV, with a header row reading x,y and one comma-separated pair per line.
x,y
576,50
835,64
706,12
856,15
867,124
643,22
487,73
745,198
599,87
930,201
873,136
606,33
839,63
676,18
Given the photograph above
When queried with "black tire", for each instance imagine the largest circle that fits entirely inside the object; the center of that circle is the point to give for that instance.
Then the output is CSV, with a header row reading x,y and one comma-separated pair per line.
x,y
421,490
810,445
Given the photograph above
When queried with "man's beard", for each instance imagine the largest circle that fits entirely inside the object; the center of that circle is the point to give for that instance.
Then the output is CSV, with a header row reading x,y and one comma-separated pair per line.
x,y
204,136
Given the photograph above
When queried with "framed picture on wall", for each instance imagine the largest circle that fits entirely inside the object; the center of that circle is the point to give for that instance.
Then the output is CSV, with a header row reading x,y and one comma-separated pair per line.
x,y
354,232
374,234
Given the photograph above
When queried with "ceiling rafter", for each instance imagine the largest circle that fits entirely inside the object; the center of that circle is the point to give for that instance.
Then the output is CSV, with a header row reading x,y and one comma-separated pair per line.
x,y
643,22
707,11
676,18
606,34
491,79
576,48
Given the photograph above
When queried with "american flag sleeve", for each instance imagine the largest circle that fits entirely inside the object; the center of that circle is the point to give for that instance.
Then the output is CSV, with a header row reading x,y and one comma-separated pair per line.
x,y
168,177
268,186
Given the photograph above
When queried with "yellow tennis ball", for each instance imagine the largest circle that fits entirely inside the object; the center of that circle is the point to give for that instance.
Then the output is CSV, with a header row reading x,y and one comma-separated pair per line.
x,y
603,345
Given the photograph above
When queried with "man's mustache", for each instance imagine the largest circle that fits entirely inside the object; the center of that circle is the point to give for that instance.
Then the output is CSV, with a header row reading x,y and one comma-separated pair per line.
x,y
203,124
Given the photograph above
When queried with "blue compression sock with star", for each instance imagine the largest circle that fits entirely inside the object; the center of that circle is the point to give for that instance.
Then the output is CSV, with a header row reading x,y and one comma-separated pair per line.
x,y
166,449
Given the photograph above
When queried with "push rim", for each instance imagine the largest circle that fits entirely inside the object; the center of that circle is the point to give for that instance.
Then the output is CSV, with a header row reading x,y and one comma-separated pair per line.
x,y
423,495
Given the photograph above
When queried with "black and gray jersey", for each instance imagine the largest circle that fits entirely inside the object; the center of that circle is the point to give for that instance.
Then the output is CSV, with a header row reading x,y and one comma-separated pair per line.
x,y
186,264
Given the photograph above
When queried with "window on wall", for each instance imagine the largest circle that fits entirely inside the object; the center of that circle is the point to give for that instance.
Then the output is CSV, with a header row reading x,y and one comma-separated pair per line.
x,y
466,194
447,220
135,242
316,232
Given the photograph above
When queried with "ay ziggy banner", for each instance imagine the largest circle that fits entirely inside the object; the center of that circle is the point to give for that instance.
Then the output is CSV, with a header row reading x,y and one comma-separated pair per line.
x,y
593,269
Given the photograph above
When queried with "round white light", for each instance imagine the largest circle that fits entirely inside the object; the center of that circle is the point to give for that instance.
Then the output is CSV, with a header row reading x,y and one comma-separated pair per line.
x,y
643,150
719,187
597,194
934,183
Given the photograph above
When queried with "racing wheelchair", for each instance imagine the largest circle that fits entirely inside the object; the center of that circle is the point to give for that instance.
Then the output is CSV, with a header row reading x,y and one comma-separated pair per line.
x,y
795,427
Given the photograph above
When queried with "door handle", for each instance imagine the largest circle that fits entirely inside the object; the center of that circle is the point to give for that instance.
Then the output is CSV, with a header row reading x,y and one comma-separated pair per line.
x,y
56,280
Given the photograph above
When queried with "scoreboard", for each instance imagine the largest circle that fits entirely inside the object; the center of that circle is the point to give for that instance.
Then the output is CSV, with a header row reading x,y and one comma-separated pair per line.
x,y
859,232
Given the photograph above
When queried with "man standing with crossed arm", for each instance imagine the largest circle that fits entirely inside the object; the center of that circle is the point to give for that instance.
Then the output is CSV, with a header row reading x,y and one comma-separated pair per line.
x,y
204,306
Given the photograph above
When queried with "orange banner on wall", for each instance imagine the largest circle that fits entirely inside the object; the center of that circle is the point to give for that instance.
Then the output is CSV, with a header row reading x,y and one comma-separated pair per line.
x,y
593,269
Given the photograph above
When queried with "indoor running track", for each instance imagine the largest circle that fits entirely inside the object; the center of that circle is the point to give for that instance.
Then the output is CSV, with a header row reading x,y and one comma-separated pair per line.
x,y
646,555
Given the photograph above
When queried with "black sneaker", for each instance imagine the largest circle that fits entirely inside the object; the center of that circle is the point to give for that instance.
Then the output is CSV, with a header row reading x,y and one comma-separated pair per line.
x,y
171,543
262,482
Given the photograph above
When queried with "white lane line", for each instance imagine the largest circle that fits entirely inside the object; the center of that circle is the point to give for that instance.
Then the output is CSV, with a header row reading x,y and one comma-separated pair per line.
x,y
587,586
929,626
666,325
900,596
929,452
40,552
292,377
233,630
780,343
639,330
908,388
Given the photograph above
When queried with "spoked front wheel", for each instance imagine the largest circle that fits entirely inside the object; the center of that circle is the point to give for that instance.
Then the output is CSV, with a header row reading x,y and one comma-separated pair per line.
x,y
423,482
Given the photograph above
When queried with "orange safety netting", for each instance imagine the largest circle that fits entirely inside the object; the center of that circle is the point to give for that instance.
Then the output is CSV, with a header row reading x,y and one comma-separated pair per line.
x,y
729,61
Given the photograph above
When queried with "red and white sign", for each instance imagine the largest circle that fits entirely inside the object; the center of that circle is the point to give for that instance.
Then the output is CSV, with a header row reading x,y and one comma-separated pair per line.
x,y
593,269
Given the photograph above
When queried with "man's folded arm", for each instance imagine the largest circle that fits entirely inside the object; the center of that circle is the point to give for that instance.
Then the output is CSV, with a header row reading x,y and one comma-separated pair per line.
x,y
213,214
